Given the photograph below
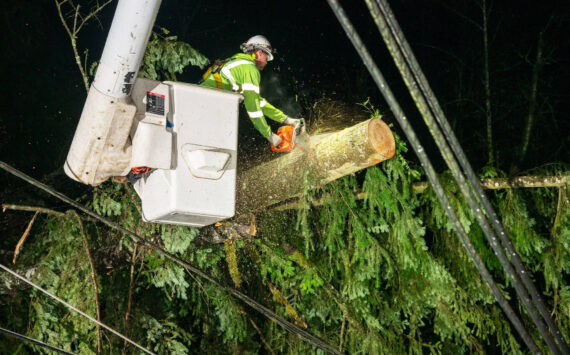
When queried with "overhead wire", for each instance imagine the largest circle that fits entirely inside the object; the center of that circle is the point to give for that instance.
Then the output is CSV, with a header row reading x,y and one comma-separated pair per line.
x,y
430,172
428,104
290,327
33,341
15,274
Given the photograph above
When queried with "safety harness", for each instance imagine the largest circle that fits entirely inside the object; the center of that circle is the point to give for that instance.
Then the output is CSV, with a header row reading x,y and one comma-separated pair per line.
x,y
215,70
222,66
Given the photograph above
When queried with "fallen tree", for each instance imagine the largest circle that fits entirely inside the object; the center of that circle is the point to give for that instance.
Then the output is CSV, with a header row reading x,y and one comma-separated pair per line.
x,y
321,159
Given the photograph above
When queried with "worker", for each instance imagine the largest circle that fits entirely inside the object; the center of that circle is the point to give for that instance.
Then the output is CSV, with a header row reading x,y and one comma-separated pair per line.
x,y
241,73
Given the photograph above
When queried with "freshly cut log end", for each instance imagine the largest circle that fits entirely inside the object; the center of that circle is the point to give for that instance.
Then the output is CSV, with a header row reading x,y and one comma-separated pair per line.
x,y
381,138
324,159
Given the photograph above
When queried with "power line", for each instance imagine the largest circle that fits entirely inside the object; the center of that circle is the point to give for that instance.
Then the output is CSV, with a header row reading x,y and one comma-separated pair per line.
x,y
73,308
428,167
424,97
33,341
290,327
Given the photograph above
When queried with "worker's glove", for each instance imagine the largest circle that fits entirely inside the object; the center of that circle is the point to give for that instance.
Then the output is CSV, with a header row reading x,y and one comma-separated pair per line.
x,y
274,139
295,122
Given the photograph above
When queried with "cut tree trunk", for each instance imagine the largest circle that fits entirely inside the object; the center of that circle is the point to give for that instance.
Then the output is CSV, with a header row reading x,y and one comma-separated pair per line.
x,y
320,160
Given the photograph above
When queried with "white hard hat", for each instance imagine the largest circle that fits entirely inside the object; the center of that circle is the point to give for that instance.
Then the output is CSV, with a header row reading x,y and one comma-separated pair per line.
x,y
258,42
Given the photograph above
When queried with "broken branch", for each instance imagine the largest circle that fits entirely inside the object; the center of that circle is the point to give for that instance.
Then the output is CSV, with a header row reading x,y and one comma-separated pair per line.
x,y
23,238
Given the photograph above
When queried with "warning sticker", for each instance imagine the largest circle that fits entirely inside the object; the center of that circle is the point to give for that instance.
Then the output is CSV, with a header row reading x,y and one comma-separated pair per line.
x,y
155,103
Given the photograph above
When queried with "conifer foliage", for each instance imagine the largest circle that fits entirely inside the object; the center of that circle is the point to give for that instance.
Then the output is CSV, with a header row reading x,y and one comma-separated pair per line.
x,y
382,275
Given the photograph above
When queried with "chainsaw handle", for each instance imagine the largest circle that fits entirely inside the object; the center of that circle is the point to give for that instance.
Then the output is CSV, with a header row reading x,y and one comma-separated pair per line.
x,y
284,147
286,134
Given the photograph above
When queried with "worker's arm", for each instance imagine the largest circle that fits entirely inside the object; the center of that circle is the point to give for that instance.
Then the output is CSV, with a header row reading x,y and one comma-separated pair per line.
x,y
253,101
271,111
252,105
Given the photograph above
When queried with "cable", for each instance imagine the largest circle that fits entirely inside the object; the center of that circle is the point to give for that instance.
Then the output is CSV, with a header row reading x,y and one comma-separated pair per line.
x,y
73,308
420,90
33,341
290,327
432,176
414,78
459,177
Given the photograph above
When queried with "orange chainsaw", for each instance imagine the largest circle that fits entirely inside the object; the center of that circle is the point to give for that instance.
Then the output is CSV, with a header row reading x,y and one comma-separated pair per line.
x,y
288,135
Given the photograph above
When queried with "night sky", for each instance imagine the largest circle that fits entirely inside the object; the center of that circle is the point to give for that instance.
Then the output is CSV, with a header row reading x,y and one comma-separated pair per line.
x,y
42,92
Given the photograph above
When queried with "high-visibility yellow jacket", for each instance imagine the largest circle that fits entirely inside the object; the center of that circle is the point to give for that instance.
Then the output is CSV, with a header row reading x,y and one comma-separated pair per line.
x,y
240,74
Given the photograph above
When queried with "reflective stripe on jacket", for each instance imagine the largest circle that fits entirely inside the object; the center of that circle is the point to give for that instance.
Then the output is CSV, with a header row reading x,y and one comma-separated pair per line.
x,y
240,74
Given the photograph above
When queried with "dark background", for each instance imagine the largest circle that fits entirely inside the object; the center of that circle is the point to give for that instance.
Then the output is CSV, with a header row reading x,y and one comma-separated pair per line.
x,y
42,92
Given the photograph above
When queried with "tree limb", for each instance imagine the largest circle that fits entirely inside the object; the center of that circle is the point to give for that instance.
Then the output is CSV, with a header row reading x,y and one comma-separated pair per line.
x,y
93,277
298,258
130,296
342,332
74,31
262,337
489,184
23,238
6,206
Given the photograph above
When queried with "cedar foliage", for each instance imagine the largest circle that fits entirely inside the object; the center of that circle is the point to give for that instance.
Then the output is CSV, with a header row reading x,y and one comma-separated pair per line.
x,y
389,268
381,275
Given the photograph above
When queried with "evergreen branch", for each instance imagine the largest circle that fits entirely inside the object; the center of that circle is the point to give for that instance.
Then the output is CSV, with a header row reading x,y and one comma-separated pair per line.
x,y
261,336
432,347
278,296
52,296
300,259
204,292
466,334
385,253
292,312
93,277
232,261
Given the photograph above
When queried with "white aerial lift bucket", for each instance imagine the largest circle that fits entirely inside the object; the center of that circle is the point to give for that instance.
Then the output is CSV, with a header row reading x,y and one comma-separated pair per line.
x,y
198,188
186,134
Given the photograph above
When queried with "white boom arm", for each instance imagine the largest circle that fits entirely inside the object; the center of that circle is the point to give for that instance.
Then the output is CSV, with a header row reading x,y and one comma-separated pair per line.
x,y
101,146
186,134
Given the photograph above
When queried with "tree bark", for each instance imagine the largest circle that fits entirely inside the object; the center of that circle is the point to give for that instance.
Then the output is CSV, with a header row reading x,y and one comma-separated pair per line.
x,y
512,183
322,159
